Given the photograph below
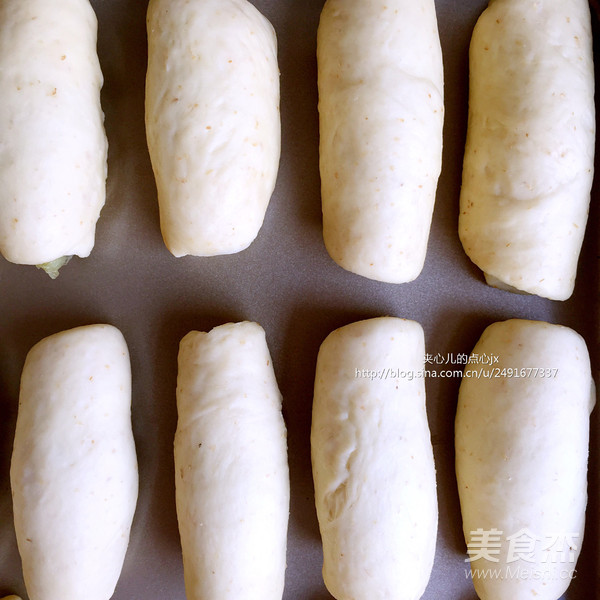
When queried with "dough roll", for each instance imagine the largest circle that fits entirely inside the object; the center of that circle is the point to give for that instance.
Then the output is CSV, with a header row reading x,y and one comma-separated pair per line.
x,y
52,141
372,458
74,471
381,110
231,471
529,157
212,122
522,436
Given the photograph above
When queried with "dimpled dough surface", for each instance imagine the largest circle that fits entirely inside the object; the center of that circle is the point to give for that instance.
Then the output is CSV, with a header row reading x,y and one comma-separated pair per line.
x,y
372,458
231,472
52,141
381,110
529,157
521,455
74,470
212,122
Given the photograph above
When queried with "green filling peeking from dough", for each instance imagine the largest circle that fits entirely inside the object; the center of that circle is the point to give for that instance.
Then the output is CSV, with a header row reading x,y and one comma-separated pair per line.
x,y
53,267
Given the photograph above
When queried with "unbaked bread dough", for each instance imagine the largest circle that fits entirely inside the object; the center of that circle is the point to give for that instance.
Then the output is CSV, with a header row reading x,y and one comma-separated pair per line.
x,y
381,109
521,458
74,471
52,141
372,460
529,157
212,122
231,469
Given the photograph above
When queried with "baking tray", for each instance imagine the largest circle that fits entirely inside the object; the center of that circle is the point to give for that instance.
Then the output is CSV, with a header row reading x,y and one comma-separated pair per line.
x,y
285,281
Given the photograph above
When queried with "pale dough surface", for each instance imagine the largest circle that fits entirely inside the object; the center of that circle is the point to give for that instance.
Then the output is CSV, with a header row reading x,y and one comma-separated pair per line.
x,y
74,470
373,469
521,453
52,142
381,109
231,470
212,121
529,158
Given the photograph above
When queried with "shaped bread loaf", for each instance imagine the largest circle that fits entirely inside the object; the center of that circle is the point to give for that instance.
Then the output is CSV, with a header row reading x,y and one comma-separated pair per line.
x,y
522,432
381,110
212,122
373,469
52,142
529,157
74,470
231,470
